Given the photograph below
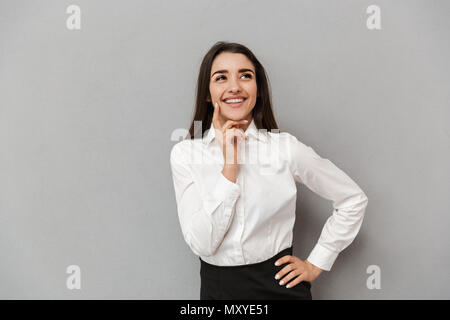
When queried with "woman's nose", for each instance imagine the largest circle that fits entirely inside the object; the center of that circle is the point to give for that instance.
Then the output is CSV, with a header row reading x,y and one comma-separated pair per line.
x,y
234,85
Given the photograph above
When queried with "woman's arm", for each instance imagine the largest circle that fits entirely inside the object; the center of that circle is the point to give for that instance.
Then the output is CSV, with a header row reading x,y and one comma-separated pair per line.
x,y
204,220
349,201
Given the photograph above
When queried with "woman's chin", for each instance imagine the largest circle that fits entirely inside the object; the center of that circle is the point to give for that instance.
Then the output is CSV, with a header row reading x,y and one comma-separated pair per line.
x,y
236,115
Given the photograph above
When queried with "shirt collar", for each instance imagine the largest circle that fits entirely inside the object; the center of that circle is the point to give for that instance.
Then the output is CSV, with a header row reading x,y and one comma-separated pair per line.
x,y
251,131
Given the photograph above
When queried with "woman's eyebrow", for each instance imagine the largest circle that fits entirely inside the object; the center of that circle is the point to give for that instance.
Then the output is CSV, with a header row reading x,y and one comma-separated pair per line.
x,y
226,71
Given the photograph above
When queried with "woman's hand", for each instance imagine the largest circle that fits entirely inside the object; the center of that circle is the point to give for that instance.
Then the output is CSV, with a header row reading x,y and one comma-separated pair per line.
x,y
228,135
298,269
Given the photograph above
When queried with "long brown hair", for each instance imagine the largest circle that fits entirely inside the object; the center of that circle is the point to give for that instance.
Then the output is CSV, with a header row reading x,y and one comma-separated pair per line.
x,y
262,112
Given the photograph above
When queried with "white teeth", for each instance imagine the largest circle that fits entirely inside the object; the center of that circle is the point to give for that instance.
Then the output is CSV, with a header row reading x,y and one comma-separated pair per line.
x,y
234,100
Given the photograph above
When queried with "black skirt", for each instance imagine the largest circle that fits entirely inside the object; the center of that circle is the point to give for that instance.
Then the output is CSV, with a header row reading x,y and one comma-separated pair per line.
x,y
249,281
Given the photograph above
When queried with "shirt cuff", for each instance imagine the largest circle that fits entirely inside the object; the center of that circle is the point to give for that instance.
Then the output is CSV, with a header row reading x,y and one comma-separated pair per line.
x,y
322,257
226,190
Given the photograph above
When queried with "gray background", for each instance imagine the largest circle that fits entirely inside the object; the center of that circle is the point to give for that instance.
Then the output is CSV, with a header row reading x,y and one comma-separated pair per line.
x,y
87,115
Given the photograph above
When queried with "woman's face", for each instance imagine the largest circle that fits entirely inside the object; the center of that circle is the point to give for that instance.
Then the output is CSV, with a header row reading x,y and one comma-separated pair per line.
x,y
233,75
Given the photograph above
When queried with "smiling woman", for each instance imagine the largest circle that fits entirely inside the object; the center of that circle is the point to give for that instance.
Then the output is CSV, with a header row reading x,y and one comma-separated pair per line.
x,y
236,88
239,217
249,87
230,70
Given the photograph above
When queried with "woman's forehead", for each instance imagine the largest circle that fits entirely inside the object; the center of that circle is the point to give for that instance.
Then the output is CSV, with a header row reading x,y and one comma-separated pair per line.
x,y
231,61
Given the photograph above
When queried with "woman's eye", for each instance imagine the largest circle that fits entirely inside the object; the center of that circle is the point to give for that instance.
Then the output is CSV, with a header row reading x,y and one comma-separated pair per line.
x,y
246,74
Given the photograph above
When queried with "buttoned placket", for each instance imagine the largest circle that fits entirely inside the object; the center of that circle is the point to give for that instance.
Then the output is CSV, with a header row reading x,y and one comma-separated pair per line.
x,y
240,213
240,204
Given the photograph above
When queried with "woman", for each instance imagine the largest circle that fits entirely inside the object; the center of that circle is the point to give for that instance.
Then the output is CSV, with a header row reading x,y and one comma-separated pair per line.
x,y
238,215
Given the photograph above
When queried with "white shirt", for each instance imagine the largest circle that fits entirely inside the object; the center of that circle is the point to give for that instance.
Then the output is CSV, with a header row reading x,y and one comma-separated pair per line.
x,y
250,221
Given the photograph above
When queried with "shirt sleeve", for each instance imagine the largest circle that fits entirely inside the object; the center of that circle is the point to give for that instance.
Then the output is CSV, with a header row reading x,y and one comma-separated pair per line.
x,y
204,218
349,202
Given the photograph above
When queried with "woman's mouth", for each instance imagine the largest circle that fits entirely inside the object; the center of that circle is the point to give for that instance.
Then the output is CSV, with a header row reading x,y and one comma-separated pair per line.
x,y
235,102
